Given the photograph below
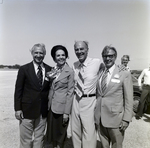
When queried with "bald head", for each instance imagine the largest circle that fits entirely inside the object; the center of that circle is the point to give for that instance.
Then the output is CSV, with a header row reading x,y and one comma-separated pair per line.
x,y
81,50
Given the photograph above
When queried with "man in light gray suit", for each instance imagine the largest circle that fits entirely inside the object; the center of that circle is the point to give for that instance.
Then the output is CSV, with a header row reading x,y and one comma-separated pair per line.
x,y
114,106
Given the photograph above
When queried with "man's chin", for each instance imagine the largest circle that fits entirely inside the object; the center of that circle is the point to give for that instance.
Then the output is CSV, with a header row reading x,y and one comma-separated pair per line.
x,y
81,59
108,65
38,61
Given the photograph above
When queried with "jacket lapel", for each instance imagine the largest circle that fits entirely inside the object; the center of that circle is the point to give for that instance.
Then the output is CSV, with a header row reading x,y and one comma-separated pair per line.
x,y
111,84
99,83
47,69
33,74
64,73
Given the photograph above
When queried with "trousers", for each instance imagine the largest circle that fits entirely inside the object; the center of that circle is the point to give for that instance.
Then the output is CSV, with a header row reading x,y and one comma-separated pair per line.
x,y
110,136
145,97
32,132
82,123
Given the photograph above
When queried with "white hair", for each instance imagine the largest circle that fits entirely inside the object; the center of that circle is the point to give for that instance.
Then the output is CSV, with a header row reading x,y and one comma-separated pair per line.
x,y
39,45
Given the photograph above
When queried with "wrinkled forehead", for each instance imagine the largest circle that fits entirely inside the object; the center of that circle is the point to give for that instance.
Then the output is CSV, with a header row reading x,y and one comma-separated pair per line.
x,y
125,59
38,49
108,52
80,44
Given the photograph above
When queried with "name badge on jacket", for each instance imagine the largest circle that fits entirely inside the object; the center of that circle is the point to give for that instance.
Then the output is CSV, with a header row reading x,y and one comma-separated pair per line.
x,y
115,80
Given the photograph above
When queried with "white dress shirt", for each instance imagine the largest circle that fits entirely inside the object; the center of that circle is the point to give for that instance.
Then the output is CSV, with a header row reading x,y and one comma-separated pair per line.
x,y
109,74
146,74
90,73
36,69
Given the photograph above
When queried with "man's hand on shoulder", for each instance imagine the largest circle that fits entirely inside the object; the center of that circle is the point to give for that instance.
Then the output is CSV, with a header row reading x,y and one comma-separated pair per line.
x,y
102,66
121,68
19,115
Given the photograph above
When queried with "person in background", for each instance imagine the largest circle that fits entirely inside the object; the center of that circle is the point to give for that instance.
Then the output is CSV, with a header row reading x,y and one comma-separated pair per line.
x,y
31,99
125,60
145,88
114,107
86,71
60,97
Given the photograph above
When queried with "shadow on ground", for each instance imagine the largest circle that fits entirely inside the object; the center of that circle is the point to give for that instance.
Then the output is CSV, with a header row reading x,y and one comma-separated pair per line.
x,y
68,144
147,118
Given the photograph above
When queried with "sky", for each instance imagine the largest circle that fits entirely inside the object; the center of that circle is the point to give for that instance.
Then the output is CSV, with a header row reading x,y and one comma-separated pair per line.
x,y
123,24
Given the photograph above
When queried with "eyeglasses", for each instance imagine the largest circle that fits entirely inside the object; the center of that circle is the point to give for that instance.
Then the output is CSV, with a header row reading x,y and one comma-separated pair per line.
x,y
109,56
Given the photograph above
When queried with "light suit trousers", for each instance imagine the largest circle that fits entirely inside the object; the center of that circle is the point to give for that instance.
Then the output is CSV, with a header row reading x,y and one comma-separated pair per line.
x,y
32,132
82,124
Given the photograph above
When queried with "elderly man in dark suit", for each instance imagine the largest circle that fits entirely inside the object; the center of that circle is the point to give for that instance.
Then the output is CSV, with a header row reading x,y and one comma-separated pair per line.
x,y
113,111
31,99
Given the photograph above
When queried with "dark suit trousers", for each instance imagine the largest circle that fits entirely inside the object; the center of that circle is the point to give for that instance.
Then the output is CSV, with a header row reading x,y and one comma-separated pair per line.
x,y
144,97
110,136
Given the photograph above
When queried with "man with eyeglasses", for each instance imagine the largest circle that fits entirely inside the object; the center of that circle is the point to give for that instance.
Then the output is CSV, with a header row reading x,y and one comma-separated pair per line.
x,y
114,106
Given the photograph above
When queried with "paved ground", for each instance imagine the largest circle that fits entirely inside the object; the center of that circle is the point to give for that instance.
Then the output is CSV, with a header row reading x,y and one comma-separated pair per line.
x,y
137,134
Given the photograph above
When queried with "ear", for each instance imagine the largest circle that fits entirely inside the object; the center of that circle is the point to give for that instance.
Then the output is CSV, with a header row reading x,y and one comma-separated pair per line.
x,y
87,49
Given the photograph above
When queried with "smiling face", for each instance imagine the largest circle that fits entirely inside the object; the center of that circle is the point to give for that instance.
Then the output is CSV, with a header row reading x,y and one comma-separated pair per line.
x,y
60,57
109,57
81,51
124,61
38,55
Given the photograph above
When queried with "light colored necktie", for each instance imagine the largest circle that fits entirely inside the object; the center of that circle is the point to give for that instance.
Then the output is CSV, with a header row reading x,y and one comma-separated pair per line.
x,y
104,81
80,83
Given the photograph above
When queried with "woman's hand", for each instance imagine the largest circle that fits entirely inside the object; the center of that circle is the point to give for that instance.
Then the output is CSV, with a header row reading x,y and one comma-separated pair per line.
x,y
65,119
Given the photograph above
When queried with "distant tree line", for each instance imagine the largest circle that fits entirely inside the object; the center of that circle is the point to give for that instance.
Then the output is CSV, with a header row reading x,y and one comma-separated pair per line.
x,y
16,66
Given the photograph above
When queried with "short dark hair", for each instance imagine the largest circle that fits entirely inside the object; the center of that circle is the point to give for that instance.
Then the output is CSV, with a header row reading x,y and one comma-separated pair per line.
x,y
58,47
126,56
109,47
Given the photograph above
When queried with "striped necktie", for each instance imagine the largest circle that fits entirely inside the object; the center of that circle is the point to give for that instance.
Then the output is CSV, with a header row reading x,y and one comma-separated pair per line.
x,y
80,83
104,81
40,76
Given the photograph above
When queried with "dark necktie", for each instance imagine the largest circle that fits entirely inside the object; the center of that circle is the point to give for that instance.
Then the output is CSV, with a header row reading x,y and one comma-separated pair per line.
x,y
40,76
104,81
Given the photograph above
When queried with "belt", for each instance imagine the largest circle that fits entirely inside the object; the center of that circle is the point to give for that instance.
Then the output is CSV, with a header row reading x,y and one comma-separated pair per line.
x,y
88,95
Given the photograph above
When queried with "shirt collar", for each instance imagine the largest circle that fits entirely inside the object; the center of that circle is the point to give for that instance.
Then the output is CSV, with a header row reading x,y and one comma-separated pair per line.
x,y
85,63
110,70
56,67
36,65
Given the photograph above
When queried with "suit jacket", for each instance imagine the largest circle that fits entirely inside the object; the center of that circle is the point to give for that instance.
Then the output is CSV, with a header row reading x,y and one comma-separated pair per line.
x,y
62,92
28,97
116,103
